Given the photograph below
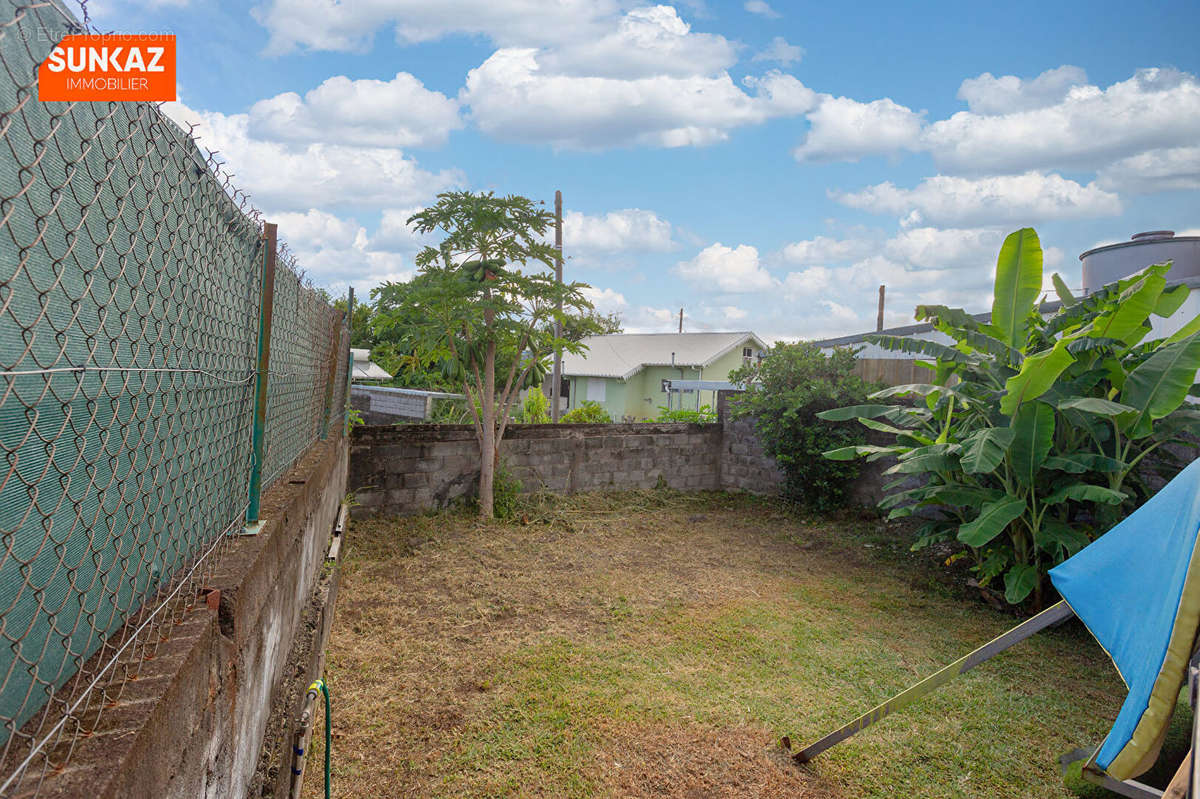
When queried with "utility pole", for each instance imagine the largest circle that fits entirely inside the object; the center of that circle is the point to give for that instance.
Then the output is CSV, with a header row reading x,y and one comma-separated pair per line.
x,y
879,319
556,378
680,320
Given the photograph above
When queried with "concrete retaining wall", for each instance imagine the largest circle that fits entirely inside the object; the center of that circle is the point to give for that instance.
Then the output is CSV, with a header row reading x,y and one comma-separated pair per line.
x,y
194,722
413,468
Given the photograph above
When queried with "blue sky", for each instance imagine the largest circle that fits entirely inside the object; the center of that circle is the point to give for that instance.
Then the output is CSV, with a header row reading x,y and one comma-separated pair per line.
x,y
765,165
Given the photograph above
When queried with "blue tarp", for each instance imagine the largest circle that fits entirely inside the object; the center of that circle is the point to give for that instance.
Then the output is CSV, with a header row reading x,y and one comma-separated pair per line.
x,y
1128,587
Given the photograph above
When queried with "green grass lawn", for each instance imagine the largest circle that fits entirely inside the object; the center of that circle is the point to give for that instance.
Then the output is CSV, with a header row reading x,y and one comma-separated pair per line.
x,y
658,644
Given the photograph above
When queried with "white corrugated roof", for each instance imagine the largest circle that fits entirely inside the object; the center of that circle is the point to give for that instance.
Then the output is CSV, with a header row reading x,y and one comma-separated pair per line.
x,y
365,368
623,354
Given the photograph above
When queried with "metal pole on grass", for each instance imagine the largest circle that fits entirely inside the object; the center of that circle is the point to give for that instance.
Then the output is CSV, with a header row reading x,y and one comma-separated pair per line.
x,y
1051,615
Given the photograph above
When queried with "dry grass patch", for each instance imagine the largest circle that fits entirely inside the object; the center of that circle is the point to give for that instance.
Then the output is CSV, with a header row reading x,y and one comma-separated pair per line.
x,y
658,644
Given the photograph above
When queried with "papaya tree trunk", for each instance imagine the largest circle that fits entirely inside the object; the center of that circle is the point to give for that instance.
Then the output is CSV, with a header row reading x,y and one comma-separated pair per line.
x,y
487,448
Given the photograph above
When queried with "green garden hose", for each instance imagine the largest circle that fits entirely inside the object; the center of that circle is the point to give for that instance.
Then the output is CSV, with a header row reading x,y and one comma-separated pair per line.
x,y
324,689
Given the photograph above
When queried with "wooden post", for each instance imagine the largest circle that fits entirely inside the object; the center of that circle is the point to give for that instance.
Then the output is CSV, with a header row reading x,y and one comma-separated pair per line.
x,y
879,319
556,374
680,320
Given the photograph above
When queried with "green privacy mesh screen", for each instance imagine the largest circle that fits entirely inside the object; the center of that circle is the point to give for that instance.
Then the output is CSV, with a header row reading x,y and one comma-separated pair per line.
x,y
129,311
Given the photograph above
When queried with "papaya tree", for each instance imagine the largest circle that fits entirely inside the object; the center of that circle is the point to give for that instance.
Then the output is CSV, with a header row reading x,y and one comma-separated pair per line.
x,y
1031,435
480,306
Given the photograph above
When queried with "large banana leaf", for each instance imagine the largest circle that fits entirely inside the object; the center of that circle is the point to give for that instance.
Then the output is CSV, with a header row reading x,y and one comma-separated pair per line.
x,y
1127,320
991,521
1160,384
1019,582
917,346
1060,288
1037,375
1185,331
855,412
1033,435
984,449
1095,405
850,453
1171,300
1018,283
1084,492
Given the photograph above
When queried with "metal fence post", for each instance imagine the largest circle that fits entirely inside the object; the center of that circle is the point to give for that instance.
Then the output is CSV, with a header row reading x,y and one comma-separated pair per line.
x,y
335,339
267,294
349,358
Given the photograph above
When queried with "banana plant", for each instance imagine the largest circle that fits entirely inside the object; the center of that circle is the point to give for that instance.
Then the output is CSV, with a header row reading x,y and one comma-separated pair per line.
x,y
1027,440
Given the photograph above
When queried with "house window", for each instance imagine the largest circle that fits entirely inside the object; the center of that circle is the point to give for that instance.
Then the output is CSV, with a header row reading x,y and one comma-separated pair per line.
x,y
595,389
747,355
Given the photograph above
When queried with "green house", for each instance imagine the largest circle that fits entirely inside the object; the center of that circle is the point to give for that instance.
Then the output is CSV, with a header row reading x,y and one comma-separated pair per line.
x,y
627,373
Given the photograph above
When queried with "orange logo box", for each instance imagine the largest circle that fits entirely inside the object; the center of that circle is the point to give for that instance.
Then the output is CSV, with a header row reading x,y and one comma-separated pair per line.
x,y
110,67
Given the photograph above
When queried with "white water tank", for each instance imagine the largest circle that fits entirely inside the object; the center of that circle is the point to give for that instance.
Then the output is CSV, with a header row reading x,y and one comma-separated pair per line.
x,y
1105,264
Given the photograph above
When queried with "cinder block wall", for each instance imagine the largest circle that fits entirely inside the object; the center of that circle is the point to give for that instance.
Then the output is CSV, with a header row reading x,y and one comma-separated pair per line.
x,y
194,722
406,469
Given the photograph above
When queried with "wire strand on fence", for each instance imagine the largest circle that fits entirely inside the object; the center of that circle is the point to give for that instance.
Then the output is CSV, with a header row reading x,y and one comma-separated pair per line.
x,y
129,312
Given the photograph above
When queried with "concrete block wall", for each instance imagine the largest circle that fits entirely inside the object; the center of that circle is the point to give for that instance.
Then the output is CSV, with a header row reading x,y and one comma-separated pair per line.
x,y
744,464
194,722
408,469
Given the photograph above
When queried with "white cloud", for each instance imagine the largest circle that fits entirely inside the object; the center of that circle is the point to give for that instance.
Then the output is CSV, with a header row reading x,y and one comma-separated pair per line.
x,y
781,52
839,312
1088,129
733,270
335,25
823,250
1053,121
807,283
315,229
953,201
335,252
646,42
988,94
1175,168
733,313
512,98
626,230
291,177
394,233
845,129
648,319
605,300
929,247
373,113
761,8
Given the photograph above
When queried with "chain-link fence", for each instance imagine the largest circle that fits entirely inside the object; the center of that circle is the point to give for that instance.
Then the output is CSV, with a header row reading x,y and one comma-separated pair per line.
x,y
130,286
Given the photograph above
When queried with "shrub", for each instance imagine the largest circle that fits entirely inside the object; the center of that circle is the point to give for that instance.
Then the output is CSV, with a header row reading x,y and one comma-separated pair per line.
x,y
506,492
703,415
535,409
588,412
785,392
1027,439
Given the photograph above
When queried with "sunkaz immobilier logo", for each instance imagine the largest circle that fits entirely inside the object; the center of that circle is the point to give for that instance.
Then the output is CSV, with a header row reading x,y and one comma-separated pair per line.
x,y
109,67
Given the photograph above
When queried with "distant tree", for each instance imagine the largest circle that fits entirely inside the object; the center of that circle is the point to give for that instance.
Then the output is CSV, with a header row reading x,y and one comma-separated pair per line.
x,y
484,321
362,326
592,323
